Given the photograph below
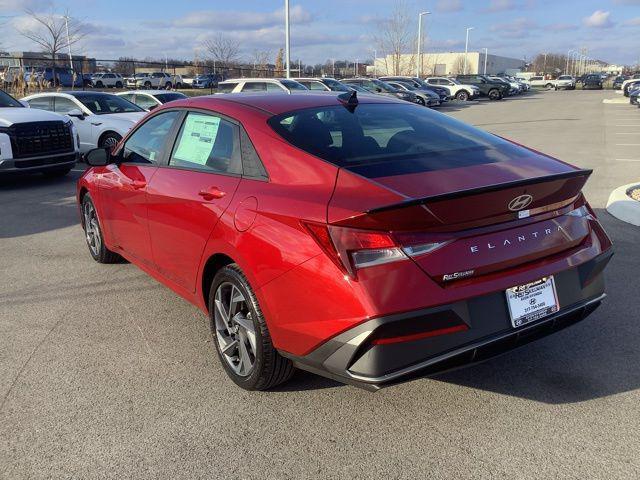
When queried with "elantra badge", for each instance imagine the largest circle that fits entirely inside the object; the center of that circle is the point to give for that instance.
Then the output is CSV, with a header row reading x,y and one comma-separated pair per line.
x,y
520,202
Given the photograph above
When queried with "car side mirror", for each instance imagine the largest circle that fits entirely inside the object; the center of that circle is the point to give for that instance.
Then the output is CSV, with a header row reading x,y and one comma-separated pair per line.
x,y
76,113
98,157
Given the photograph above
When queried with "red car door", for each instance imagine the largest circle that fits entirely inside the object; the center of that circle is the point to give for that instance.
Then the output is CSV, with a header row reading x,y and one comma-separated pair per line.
x,y
124,186
187,197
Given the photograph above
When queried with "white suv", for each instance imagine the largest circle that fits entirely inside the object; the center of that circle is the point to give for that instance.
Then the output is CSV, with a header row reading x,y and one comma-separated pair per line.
x,y
34,140
248,85
111,80
158,80
456,89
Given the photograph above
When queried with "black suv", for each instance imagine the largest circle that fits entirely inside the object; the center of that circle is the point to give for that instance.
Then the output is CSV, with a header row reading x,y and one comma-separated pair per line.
x,y
593,80
488,88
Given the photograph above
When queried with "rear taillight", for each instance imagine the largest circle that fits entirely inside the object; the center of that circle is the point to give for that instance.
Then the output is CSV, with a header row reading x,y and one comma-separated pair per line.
x,y
353,249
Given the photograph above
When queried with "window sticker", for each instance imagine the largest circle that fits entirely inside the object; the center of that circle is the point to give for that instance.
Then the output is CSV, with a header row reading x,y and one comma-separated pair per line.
x,y
197,139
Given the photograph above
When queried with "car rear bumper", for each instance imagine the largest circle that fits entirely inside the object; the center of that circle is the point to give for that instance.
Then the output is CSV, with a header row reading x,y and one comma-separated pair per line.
x,y
352,357
39,164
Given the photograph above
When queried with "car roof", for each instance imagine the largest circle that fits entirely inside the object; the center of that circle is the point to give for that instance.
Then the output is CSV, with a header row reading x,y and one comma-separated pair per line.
x,y
148,92
277,104
272,80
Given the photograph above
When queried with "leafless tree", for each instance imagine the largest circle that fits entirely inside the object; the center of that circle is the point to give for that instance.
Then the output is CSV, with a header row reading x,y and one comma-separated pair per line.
x,y
49,32
458,65
280,62
260,60
394,38
223,50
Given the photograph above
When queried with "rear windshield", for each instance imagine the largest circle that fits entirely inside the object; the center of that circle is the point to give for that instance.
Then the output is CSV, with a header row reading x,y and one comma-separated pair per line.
x,y
106,103
169,97
293,85
390,139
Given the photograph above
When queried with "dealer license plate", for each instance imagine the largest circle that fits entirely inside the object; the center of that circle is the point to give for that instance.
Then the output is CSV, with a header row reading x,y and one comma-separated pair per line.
x,y
531,302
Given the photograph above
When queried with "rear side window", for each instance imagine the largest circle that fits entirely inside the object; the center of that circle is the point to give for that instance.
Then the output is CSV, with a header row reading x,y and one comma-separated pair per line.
x,y
43,103
382,140
254,87
226,87
209,143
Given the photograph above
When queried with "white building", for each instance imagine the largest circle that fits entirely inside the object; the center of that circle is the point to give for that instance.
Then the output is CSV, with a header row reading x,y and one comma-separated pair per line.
x,y
450,63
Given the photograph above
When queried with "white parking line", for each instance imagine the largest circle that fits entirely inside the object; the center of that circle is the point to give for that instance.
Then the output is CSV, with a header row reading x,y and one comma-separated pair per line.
x,y
627,133
627,144
628,159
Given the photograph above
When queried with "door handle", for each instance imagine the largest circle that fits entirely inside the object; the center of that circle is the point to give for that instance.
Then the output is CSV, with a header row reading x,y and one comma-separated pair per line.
x,y
211,193
138,184
95,124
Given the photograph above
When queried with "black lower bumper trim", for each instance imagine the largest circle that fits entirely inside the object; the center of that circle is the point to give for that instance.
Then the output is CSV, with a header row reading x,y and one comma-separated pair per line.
x,y
355,357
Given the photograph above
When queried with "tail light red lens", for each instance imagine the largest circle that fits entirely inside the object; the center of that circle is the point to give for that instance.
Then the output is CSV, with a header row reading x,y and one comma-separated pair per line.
x,y
352,249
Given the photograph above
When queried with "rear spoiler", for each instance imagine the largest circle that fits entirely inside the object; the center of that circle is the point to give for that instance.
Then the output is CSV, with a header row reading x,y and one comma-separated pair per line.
x,y
485,189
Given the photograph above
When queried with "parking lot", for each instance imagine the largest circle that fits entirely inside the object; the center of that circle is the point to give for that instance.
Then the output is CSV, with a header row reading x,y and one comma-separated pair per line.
x,y
107,374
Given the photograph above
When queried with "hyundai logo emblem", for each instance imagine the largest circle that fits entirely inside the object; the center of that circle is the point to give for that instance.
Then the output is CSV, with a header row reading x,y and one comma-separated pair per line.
x,y
520,202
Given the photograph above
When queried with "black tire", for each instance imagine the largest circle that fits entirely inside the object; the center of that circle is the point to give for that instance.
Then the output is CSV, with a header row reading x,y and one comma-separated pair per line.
x,y
99,85
167,86
147,84
109,140
118,84
494,94
549,86
100,253
462,95
58,172
269,368
421,101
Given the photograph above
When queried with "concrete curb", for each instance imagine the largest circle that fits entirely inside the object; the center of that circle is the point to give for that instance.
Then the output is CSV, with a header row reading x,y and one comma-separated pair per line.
x,y
623,207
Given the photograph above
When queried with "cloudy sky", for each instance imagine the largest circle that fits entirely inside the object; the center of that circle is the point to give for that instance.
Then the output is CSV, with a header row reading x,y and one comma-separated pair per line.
x,y
609,29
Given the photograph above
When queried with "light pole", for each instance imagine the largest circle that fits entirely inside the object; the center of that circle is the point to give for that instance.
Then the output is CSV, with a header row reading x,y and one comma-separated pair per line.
x,y
66,24
486,54
466,49
419,59
287,38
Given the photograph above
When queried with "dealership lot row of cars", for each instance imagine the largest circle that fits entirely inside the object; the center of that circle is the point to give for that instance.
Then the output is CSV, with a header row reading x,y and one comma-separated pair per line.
x,y
100,119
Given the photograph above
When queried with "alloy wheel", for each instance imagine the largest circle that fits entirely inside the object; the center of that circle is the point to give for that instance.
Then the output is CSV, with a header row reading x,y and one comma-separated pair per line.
x,y
110,142
234,329
92,228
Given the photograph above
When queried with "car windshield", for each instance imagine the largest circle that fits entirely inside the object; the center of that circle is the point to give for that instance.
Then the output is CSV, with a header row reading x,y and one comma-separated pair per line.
x,y
385,87
106,103
335,85
390,139
7,100
293,85
169,97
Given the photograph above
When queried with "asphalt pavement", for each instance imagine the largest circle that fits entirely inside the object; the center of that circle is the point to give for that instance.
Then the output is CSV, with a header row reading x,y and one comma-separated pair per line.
x,y
104,373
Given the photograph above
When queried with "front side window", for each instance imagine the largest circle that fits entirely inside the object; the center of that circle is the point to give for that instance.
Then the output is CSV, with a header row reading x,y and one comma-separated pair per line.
x,y
209,143
169,97
101,104
145,101
64,105
389,139
317,86
147,143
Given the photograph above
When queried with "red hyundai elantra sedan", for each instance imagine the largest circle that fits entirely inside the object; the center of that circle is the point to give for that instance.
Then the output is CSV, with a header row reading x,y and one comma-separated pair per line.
x,y
365,239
